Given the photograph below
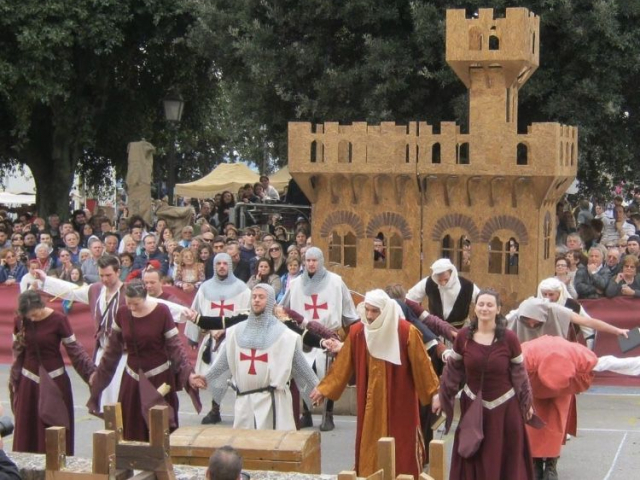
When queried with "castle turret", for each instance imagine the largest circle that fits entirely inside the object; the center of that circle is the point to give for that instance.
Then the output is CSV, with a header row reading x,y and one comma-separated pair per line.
x,y
486,198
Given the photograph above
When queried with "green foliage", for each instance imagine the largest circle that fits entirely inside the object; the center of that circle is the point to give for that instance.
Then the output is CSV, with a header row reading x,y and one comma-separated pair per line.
x,y
373,60
80,79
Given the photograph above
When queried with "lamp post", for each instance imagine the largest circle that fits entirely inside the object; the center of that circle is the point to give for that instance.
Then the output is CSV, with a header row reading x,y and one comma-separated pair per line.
x,y
173,106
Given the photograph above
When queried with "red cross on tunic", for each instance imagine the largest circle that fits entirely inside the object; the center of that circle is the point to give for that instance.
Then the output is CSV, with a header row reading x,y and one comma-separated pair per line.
x,y
315,307
222,307
253,358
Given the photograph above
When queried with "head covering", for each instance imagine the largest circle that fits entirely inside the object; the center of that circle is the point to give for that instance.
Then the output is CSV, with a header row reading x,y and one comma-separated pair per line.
x,y
555,319
222,289
448,292
633,238
381,335
554,285
262,330
312,285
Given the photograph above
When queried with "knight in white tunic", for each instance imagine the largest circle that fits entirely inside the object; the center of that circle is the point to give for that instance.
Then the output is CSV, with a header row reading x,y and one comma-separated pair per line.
x,y
223,295
321,295
258,359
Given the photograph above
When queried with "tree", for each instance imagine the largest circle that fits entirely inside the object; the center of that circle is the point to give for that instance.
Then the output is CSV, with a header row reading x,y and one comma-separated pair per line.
x,y
370,60
81,79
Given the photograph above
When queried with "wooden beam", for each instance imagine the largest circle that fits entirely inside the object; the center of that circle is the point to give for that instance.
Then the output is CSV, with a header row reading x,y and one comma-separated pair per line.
x,y
104,452
113,420
387,457
424,476
347,475
55,441
437,459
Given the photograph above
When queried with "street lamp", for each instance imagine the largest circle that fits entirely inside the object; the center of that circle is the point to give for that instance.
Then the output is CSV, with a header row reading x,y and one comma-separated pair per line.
x,y
173,106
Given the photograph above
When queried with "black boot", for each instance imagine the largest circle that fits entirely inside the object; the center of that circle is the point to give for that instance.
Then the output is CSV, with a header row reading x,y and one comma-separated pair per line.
x,y
538,468
550,472
306,420
213,416
327,424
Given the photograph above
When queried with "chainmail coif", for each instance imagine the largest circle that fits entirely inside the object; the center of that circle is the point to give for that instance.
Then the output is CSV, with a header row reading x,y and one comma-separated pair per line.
x,y
312,285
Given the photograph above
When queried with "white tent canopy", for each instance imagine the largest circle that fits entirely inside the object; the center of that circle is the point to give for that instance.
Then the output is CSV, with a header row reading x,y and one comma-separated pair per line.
x,y
7,198
229,176
226,176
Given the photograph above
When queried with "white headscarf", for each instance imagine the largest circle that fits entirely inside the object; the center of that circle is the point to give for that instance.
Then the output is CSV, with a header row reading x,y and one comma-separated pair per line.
x,y
554,285
449,292
381,335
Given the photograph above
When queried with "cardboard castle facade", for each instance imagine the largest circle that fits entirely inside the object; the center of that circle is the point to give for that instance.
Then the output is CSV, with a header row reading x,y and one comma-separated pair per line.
x,y
485,199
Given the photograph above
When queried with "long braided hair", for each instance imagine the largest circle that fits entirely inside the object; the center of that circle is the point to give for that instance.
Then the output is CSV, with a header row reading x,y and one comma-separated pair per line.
x,y
501,321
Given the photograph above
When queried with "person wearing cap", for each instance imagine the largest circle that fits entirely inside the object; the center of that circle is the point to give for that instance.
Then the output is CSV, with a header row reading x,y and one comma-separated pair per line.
x,y
449,296
258,359
393,375
320,295
223,295
633,245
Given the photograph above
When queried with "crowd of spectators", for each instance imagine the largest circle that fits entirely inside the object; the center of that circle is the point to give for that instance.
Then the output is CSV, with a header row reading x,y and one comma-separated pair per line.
x,y
69,248
598,246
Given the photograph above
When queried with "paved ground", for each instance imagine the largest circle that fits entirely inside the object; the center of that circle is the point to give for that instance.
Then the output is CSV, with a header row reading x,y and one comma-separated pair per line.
x,y
607,447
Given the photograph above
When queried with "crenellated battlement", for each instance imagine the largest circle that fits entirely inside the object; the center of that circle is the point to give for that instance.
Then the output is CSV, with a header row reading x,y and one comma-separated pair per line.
x,y
551,149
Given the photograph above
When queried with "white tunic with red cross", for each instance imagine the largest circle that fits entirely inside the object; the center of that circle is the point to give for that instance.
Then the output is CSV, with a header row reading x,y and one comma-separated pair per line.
x,y
324,307
253,369
213,308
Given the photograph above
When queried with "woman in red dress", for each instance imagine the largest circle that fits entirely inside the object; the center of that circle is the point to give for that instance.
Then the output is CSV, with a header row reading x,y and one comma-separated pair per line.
x,y
487,346
154,349
38,333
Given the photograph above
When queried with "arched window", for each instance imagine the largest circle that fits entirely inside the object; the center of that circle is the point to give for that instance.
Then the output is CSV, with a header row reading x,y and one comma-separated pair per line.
x,y
504,257
522,154
317,152
496,253
494,42
345,152
388,250
435,153
458,251
462,153
343,248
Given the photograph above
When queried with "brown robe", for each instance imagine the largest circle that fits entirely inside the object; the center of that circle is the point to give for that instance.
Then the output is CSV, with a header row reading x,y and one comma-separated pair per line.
x,y
47,334
388,397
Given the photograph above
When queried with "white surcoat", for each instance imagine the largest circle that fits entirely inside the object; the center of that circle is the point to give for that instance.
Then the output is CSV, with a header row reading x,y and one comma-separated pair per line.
x,y
253,369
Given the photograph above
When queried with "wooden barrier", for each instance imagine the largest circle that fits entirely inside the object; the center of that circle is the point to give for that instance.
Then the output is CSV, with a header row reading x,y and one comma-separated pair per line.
x,y
152,458
104,463
387,463
282,451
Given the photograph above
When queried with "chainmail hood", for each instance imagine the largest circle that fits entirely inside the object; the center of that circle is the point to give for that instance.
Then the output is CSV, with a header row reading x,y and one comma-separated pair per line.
x,y
312,285
222,289
261,331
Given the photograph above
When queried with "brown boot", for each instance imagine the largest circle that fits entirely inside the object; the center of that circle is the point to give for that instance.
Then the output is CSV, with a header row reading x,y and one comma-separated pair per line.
x,y
538,468
550,472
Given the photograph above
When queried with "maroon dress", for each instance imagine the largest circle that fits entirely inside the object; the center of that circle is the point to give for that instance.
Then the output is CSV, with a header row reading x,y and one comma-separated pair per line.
x,y
153,346
504,452
47,334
